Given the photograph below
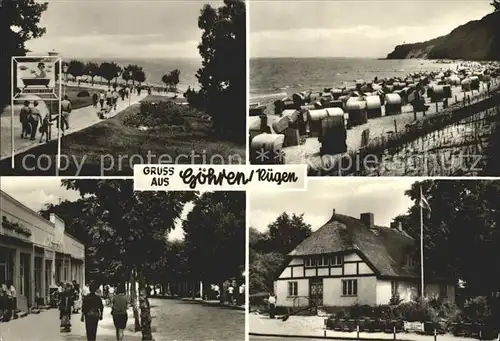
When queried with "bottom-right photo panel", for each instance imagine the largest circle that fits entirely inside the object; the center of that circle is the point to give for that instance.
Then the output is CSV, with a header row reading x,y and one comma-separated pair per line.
x,y
375,259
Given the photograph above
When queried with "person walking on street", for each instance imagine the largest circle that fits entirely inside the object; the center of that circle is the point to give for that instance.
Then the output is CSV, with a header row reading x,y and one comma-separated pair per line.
x,y
66,302
92,310
94,99
127,92
230,291
119,312
24,118
35,118
12,293
272,305
77,297
86,290
101,99
241,297
66,110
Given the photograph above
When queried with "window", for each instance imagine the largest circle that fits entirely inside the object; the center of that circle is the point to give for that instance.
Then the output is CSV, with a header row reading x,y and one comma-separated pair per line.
x,y
410,260
293,288
310,262
336,260
322,261
443,290
350,287
394,288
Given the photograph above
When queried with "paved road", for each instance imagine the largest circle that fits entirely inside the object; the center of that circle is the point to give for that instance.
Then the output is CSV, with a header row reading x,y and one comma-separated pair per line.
x,y
172,320
78,120
191,321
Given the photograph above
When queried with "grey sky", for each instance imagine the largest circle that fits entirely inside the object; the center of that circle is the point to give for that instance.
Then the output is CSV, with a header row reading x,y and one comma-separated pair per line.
x,y
121,28
350,196
354,28
35,192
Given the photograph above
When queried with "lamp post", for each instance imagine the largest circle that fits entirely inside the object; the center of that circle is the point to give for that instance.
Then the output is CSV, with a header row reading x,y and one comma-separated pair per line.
x,y
65,70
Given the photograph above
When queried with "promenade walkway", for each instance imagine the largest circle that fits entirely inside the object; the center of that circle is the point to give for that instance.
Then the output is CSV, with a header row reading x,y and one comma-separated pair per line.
x,y
79,119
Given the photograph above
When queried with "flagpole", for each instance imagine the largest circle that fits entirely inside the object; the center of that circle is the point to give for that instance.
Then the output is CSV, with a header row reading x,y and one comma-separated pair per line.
x,y
421,244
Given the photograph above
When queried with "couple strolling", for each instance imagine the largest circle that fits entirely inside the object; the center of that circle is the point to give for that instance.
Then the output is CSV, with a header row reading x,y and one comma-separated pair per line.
x,y
92,312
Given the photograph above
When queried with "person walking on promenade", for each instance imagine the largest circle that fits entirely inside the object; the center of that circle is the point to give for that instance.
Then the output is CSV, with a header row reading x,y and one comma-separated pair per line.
x,y
272,305
101,99
66,302
109,98
66,110
35,118
127,92
94,99
119,306
92,310
122,93
24,118
45,128
115,99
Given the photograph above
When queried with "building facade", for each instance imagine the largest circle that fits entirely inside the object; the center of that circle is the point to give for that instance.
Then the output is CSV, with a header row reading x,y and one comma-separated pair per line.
x,y
36,254
352,261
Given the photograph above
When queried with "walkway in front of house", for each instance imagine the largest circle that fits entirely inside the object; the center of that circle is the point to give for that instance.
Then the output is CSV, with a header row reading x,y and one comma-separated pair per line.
x,y
314,326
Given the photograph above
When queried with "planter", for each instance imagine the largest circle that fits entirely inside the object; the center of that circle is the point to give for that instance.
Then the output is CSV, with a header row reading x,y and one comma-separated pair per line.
x,y
350,325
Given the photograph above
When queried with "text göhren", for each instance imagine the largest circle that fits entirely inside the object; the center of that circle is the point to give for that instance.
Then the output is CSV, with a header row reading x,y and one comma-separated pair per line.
x,y
209,177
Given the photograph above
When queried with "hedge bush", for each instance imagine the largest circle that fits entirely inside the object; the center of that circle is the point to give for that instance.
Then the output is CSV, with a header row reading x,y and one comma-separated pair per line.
x,y
157,114
83,93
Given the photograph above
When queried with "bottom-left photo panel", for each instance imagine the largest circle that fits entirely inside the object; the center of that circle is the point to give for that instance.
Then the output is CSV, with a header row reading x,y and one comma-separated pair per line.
x,y
92,259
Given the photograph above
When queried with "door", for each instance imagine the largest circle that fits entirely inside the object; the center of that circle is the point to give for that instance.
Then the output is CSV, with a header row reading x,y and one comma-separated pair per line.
x,y
316,291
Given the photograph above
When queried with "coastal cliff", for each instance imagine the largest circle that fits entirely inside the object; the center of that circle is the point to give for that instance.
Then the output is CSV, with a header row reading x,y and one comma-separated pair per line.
x,y
476,40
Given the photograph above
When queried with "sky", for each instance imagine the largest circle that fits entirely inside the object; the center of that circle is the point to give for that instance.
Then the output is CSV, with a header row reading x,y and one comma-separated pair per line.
x,y
121,28
350,196
35,192
354,28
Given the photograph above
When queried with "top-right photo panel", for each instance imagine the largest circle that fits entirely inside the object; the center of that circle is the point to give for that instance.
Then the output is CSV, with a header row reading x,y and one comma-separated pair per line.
x,y
376,88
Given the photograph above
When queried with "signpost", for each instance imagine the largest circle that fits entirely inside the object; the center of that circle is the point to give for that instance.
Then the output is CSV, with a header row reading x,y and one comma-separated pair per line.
x,y
33,79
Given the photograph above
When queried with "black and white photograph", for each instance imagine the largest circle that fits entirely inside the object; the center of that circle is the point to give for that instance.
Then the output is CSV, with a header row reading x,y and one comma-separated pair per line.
x,y
95,260
376,259
139,82
375,88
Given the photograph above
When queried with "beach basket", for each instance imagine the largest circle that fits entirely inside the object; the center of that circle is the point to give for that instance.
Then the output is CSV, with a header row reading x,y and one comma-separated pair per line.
x,y
373,106
270,143
357,111
393,105
281,124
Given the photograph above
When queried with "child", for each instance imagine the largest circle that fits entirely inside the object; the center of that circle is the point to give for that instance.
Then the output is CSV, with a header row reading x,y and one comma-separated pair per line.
x,y
45,128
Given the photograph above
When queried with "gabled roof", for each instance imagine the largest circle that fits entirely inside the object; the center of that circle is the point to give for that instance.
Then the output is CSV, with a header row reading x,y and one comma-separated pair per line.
x,y
383,248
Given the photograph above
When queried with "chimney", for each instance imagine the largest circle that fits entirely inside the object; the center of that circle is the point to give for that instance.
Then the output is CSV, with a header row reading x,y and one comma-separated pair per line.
x,y
397,225
368,219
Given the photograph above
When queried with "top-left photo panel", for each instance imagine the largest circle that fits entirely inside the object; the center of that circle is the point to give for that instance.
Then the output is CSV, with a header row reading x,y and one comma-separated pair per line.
x,y
91,88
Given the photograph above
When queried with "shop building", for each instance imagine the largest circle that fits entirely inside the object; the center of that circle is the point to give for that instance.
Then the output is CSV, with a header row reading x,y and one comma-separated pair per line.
x,y
36,253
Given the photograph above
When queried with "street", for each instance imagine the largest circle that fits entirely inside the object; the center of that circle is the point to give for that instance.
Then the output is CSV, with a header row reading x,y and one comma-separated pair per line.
x,y
173,320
